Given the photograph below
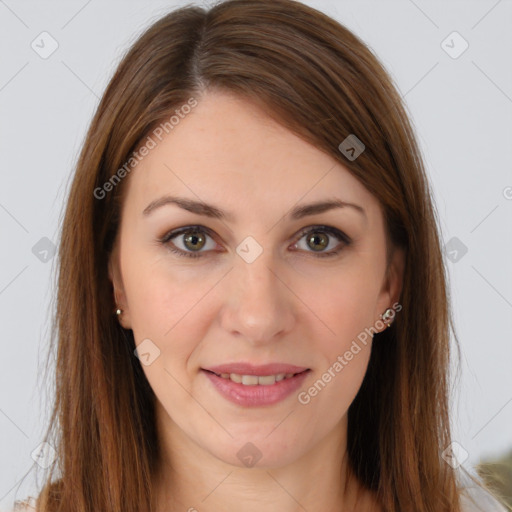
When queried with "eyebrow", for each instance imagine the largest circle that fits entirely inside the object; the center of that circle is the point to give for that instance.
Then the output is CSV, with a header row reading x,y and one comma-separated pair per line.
x,y
209,210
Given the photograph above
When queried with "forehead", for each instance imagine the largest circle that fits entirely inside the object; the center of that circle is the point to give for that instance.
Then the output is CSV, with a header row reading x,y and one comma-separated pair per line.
x,y
228,150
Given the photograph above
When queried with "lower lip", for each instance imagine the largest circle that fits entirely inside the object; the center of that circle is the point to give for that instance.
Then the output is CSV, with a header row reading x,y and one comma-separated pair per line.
x,y
250,396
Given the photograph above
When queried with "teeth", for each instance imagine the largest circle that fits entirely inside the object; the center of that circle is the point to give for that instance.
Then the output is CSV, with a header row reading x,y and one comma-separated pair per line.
x,y
250,380
254,380
236,378
268,380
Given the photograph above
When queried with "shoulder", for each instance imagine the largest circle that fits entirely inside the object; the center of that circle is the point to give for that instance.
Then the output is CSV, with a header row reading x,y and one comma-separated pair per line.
x,y
478,499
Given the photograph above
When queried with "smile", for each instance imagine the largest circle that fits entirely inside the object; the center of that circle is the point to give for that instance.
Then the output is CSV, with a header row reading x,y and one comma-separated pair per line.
x,y
255,390
256,380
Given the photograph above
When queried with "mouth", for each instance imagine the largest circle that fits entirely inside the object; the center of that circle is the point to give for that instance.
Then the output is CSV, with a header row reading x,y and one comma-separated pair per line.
x,y
250,386
257,380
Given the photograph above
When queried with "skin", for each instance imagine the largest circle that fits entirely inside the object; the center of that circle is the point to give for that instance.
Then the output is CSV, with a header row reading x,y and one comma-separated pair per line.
x,y
286,306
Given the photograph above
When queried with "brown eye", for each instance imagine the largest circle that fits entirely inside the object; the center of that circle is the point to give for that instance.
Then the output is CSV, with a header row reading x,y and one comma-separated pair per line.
x,y
189,241
318,241
194,241
319,238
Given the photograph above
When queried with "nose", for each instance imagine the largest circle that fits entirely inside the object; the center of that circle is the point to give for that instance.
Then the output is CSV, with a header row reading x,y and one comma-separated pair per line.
x,y
259,305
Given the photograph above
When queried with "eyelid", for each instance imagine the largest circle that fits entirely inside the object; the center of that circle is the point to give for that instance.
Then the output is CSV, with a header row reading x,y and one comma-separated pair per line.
x,y
338,233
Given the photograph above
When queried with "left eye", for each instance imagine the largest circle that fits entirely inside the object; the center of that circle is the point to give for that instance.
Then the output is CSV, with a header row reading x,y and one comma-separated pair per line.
x,y
195,238
321,237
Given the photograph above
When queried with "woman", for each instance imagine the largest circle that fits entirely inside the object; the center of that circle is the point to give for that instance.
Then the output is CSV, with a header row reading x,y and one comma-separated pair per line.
x,y
252,305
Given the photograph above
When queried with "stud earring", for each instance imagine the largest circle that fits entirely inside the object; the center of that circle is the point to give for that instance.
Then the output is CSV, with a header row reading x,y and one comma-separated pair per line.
x,y
388,317
119,312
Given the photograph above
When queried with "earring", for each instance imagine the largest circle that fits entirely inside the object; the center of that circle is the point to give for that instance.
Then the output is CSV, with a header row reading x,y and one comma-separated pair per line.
x,y
388,317
118,311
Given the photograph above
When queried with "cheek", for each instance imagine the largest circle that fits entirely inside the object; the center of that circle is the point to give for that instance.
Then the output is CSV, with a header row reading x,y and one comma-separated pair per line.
x,y
334,388
172,307
164,308
161,297
344,303
344,359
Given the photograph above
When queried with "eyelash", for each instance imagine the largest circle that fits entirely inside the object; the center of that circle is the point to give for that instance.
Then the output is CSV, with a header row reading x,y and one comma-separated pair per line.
x,y
342,237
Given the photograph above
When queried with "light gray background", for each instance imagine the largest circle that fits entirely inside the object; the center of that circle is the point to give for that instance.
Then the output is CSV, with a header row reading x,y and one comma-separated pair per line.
x,y
461,108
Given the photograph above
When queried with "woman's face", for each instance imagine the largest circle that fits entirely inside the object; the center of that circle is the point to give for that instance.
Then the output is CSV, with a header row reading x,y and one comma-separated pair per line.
x,y
262,280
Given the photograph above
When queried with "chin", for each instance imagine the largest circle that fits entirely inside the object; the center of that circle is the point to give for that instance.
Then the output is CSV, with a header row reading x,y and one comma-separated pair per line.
x,y
256,452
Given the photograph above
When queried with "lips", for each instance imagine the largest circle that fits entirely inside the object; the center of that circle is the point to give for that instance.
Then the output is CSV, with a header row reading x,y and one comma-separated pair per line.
x,y
253,389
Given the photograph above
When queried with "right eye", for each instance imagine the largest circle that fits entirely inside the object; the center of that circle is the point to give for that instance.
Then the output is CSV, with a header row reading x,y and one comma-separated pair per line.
x,y
191,238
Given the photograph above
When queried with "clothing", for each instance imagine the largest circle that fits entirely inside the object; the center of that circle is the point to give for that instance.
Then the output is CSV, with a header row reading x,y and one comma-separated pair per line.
x,y
476,499
473,499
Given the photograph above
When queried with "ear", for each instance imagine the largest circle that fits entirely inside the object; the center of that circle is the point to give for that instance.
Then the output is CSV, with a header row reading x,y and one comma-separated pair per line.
x,y
115,276
392,286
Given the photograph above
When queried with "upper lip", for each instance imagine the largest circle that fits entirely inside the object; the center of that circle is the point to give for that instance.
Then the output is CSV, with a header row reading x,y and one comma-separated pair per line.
x,y
261,370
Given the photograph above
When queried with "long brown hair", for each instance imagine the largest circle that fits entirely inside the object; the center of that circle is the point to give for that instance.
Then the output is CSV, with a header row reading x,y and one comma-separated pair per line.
x,y
319,80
